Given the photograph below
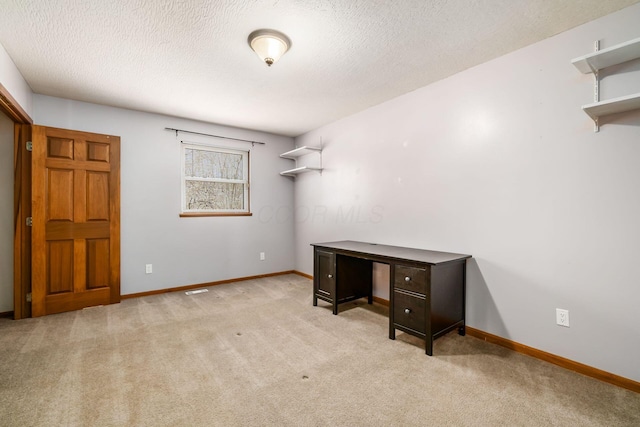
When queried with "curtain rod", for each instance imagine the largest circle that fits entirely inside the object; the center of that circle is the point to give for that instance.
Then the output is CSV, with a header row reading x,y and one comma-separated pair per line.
x,y
215,136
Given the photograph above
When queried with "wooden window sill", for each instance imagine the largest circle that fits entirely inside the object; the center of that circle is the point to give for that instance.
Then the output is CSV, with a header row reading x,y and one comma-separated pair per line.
x,y
200,214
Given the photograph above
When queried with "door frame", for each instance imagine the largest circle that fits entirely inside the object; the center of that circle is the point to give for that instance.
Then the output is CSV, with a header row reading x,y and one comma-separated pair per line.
x,y
22,203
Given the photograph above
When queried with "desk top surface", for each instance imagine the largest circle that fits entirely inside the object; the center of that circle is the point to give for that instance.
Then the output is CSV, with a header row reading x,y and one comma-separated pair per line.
x,y
395,252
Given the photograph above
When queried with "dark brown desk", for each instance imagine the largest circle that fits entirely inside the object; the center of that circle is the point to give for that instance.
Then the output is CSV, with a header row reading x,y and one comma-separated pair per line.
x,y
426,288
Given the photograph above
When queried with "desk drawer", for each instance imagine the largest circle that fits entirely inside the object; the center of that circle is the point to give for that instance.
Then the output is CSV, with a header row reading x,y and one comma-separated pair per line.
x,y
411,278
409,311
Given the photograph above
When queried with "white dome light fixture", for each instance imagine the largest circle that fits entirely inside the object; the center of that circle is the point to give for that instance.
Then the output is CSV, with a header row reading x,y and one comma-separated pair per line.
x,y
270,45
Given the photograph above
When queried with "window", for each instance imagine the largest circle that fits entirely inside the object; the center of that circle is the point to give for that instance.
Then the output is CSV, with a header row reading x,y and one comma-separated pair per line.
x,y
215,181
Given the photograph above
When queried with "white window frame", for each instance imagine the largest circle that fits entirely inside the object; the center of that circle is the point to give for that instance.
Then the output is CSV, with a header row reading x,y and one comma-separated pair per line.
x,y
245,181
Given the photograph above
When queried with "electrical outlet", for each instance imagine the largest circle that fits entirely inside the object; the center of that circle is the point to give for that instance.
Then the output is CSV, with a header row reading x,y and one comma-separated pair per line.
x,y
562,317
262,257
148,268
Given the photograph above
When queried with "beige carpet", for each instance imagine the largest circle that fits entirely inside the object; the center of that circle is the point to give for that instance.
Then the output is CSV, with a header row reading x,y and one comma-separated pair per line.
x,y
258,353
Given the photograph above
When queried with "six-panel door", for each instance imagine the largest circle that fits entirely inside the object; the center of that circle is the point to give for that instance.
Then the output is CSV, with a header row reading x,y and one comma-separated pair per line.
x,y
76,220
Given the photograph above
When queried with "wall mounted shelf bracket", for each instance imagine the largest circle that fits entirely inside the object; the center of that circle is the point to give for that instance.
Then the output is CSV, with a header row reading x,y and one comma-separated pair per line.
x,y
596,86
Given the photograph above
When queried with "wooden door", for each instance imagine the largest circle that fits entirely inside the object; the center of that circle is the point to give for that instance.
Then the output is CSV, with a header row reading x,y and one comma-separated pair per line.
x,y
76,220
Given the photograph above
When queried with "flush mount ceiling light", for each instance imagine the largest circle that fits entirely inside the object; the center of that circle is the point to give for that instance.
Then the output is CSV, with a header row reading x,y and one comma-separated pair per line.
x,y
270,45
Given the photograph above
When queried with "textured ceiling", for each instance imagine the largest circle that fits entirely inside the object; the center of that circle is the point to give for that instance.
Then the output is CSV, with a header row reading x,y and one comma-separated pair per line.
x,y
190,58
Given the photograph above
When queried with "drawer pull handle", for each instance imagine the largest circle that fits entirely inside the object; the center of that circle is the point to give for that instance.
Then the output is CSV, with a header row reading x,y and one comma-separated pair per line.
x,y
330,276
407,279
407,310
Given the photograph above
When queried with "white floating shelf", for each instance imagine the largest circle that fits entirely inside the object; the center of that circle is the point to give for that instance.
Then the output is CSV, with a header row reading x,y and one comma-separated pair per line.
x,y
604,58
301,151
301,169
613,106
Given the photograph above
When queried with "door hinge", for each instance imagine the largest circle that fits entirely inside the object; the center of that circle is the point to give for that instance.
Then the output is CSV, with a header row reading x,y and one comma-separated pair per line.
x,y
29,297
29,146
29,221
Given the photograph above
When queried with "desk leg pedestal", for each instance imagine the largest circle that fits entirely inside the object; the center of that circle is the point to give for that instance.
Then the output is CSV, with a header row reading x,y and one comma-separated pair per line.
x,y
338,279
427,302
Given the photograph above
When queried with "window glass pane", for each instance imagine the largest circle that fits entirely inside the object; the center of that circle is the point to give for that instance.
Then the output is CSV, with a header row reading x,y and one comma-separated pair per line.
x,y
205,195
212,164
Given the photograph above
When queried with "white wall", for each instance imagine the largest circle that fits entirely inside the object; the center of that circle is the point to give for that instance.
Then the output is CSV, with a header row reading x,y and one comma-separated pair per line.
x,y
13,81
6,214
500,162
184,251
